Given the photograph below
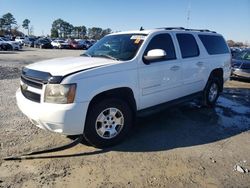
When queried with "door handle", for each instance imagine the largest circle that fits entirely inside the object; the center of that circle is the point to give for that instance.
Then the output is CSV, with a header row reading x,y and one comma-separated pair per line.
x,y
175,68
199,64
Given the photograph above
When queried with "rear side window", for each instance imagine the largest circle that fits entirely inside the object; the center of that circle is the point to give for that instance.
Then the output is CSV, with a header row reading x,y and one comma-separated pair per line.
x,y
214,44
164,42
188,45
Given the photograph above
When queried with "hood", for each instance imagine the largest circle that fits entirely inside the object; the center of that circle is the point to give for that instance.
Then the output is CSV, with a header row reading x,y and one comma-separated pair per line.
x,y
67,65
243,64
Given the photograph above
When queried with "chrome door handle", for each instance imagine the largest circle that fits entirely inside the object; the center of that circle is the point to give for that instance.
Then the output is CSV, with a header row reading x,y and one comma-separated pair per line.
x,y
199,64
175,68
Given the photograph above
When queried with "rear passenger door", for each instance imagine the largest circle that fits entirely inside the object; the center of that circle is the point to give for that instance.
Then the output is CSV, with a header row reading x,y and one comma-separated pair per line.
x,y
192,63
160,81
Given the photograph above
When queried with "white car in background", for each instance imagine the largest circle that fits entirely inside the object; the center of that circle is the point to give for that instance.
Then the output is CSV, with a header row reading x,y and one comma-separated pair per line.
x,y
60,44
15,45
20,40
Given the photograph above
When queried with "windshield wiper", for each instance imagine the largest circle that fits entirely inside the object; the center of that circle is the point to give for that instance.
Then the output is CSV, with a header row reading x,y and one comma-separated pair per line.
x,y
85,54
106,56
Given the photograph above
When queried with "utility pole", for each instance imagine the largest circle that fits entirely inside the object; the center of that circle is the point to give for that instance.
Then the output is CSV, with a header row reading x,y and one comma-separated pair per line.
x,y
188,13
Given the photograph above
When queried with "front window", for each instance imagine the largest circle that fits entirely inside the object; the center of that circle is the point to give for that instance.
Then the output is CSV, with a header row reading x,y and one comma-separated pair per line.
x,y
119,47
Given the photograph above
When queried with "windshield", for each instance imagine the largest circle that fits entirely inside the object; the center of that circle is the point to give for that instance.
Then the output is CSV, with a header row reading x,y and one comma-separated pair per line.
x,y
119,47
3,39
245,55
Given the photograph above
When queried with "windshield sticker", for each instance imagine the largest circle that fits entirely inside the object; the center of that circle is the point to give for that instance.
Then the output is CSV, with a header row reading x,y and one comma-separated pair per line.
x,y
137,41
138,37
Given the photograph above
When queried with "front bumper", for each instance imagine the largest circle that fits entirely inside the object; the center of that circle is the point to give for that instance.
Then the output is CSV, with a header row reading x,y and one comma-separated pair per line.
x,y
243,73
68,119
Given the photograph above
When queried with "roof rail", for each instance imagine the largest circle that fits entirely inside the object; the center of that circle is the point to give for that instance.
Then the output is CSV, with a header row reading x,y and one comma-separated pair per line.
x,y
201,30
184,29
172,28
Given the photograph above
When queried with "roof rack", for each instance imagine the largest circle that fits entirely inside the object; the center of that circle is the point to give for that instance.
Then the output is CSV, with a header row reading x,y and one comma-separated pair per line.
x,y
172,28
184,29
201,30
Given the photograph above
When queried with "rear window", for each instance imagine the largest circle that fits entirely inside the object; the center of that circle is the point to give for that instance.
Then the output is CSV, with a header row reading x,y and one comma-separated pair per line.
x,y
188,45
214,44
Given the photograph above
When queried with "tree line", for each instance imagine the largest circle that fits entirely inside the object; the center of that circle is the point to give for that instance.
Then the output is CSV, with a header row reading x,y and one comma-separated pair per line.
x,y
232,43
63,29
59,28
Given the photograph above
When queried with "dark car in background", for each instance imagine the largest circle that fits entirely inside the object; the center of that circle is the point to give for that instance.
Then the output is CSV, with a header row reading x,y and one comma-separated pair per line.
x,y
43,43
29,41
85,44
235,51
241,65
5,46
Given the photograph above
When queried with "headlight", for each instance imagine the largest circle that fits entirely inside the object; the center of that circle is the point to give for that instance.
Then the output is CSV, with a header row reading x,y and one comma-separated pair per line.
x,y
60,93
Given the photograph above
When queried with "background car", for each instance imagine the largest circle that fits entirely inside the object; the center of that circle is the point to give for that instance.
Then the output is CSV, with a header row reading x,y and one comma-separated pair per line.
x,y
5,46
20,40
61,44
29,41
15,45
84,44
74,44
43,43
241,65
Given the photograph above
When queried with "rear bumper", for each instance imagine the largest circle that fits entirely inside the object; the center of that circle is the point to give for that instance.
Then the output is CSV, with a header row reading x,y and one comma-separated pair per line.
x,y
68,119
244,73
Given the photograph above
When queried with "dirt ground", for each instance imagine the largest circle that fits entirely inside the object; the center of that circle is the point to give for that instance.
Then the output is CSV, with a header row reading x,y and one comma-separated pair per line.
x,y
184,146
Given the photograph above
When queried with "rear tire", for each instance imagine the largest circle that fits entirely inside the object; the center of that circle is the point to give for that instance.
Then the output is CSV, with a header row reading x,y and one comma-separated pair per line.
x,y
108,122
211,92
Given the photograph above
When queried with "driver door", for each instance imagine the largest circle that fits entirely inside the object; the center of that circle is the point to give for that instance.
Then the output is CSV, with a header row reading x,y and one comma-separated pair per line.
x,y
160,81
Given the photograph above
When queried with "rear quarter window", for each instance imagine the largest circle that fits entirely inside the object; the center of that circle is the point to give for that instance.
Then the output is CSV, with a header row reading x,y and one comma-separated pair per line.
x,y
214,44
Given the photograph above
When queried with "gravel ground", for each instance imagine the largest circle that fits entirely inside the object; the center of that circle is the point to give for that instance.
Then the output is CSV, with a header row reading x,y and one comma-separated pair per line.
x,y
185,146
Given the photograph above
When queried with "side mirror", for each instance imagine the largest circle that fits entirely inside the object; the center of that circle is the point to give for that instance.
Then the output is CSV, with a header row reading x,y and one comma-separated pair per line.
x,y
154,55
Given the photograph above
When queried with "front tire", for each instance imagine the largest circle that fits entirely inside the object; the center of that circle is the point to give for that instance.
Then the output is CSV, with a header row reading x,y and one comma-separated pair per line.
x,y
108,122
211,92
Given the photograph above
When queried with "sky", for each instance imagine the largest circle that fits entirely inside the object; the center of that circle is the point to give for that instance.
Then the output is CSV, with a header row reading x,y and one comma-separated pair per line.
x,y
231,18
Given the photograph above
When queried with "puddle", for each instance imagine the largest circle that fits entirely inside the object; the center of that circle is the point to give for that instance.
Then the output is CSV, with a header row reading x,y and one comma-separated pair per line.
x,y
232,114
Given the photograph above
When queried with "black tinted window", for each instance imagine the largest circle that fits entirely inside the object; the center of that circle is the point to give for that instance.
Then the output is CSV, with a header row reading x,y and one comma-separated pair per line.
x,y
188,45
214,44
164,42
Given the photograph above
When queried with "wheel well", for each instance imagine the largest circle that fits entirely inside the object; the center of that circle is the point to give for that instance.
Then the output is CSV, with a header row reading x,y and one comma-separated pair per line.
x,y
218,73
123,93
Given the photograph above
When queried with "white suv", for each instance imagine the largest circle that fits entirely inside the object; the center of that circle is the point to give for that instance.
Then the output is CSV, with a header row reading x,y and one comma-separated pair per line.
x,y
100,93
